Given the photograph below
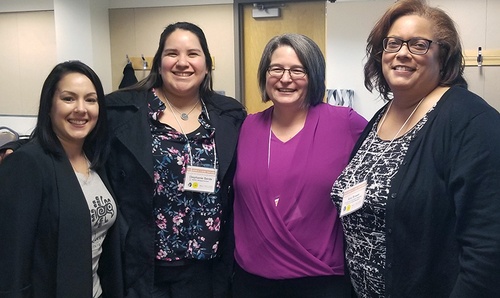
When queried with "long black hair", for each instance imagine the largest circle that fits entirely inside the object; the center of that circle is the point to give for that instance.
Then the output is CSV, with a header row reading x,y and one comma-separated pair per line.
x,y
95,144
154,80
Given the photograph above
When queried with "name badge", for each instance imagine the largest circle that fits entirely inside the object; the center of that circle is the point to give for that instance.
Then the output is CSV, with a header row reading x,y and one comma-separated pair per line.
x,y
353,198
200,179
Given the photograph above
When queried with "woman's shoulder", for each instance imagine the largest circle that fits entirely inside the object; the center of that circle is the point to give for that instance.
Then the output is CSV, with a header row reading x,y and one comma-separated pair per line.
x,y
329,108
223,102
262,114
258,118
464,104
225,106
126,98
339,113
30,153
32,147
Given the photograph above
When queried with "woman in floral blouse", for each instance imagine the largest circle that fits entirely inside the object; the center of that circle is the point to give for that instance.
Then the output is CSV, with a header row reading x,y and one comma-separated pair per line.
x,y
171,166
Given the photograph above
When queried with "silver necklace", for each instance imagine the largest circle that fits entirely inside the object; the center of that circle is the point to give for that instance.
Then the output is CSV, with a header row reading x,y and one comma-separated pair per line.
x,y
184,116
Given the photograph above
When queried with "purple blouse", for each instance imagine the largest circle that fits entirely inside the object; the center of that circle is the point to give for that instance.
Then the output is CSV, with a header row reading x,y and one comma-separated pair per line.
x,y
285,223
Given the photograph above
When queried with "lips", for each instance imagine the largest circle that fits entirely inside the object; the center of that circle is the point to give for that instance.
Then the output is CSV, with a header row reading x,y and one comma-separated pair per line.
x,y
183,74
77,122
286,90
403,68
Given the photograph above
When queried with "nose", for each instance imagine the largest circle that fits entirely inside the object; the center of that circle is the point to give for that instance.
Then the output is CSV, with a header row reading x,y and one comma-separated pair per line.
x,y
80,107
181,60
404,50
287,76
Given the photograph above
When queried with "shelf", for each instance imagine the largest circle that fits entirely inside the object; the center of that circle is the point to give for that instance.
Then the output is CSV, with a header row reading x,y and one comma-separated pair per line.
x,y
137,63
490,57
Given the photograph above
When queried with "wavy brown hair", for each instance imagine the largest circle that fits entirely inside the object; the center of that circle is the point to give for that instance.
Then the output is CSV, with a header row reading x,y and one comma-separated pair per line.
x,y
445,33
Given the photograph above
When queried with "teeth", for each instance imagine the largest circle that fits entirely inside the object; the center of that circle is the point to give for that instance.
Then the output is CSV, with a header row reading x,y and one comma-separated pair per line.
x,y
78,122
286,90
403,68
183,74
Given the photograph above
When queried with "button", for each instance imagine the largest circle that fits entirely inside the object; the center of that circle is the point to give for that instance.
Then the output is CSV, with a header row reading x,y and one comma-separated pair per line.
x,y
394,195
389,266
389,231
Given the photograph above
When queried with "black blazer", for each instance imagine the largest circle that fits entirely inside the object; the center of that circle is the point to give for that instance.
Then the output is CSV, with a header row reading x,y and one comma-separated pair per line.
x,y
45,229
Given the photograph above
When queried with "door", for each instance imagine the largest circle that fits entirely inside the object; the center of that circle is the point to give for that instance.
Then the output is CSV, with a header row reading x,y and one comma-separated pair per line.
x,y
306,18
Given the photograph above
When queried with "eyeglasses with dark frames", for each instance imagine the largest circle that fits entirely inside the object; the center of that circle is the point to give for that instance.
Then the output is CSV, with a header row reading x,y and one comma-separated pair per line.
x,y
417,46
278,72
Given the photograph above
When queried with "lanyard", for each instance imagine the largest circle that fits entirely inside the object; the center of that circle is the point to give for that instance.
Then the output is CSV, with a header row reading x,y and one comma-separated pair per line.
x,y
269,148
187,140
386,147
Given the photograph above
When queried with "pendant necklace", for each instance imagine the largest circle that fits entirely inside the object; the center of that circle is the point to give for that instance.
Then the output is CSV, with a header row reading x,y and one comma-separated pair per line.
x,y
184,116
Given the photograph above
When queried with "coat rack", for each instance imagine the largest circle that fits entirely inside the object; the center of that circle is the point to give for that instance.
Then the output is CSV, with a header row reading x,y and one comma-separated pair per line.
x,y
482,57
141,63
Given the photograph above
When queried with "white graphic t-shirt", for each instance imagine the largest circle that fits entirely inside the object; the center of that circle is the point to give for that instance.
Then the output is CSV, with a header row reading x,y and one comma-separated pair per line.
x,y
102,214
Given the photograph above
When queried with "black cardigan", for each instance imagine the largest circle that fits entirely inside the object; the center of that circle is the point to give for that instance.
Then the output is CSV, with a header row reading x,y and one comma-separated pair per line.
x,y
45,230
443,211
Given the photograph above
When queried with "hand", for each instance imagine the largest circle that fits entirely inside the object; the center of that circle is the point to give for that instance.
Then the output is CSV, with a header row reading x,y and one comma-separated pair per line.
x,y
4,154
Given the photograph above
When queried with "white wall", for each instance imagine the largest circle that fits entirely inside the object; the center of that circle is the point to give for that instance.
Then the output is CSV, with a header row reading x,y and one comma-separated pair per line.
x,y
159,3
348,26
479,26
23,125
28,51
34,5
25,5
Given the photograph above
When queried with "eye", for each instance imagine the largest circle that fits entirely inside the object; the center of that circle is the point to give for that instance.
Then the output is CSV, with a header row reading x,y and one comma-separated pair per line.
x,y
419,44
169,54
297,71
67,98
393,43
91,100
276,70
194,54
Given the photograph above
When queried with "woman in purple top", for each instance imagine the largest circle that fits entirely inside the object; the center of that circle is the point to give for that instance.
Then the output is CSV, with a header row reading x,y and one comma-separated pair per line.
x,y
289,241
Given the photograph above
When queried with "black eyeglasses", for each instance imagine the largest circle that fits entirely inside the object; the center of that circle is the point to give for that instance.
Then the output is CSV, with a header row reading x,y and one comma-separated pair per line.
x,y
278,72
417,46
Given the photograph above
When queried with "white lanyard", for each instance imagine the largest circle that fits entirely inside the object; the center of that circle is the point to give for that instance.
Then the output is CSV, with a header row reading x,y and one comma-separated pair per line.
x,y
353,197
269,148
198,179
386,147
187,140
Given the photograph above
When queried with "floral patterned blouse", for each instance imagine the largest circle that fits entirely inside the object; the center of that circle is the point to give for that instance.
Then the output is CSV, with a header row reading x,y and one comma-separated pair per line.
x,y
187,223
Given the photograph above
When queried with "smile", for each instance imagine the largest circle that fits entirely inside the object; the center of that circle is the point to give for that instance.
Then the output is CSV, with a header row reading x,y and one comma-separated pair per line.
x,y
183,74
78,122
403,68
286,90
